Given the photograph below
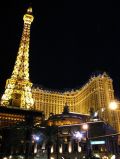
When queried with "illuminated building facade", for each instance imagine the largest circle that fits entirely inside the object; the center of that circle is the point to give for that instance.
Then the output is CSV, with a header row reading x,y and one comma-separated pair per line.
x,y
96,94
73,136
18,87
72,142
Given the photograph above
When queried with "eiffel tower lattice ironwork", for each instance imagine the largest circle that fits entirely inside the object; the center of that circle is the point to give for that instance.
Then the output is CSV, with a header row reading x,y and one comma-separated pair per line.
x,y
18,87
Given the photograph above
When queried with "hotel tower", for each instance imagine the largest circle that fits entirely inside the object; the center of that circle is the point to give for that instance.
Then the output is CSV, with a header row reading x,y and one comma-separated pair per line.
x,y
96,94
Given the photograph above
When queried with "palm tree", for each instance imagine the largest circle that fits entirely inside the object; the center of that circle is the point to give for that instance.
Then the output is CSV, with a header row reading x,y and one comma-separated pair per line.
x,y
51,136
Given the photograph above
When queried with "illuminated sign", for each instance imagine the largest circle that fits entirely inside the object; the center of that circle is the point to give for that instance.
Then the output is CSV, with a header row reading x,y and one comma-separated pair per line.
x,y
97,142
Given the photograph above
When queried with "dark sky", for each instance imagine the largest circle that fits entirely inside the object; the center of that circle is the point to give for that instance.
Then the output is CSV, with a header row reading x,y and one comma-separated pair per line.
x,y
70,41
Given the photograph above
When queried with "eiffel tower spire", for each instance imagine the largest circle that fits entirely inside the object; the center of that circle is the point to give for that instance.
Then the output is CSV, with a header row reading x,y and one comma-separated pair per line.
x,y
18,87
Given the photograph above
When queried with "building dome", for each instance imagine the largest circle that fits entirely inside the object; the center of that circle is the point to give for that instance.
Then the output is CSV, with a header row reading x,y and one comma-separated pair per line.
x,y
67,118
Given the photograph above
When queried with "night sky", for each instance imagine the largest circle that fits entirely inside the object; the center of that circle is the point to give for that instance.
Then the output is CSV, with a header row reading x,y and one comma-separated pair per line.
x,y
70,41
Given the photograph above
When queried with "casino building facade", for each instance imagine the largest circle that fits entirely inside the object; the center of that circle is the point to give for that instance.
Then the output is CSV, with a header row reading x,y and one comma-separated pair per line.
x,y
97,93
74,136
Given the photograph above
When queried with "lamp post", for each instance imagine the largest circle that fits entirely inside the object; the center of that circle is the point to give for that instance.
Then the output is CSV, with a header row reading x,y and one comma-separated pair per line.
x,y
36,139
85,127
110,117
77,135
57,144
113,105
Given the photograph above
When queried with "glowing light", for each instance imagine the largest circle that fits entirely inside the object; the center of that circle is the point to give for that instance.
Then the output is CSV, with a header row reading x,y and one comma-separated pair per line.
x,y
113,105
102,109
60,149
105,157
85,126
97,142
78,135
113,157
95,114
52,149
97,155
35,148
36,138
70,147
79,148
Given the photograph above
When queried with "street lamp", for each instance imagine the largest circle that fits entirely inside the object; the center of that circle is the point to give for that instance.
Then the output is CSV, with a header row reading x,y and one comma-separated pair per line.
x,y
78,135
113,105
113,118
36,139
85,127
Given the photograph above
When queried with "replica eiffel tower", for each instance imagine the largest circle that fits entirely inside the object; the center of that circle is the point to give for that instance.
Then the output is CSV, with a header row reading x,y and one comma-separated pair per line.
x,y
18,87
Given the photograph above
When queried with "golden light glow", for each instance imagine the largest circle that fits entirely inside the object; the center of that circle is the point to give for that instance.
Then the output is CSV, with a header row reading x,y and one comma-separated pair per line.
x,y
96,155
18,87
52,149
85,126
105,157
79,148
70,147
29,10
113,157
113,105
35,148
60,149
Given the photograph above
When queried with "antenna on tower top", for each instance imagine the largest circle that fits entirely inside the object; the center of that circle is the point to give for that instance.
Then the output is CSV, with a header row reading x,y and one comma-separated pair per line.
x,y
29,10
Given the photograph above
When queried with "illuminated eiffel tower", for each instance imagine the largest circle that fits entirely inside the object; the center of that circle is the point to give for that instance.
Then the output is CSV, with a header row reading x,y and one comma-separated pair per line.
x,y
18,87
